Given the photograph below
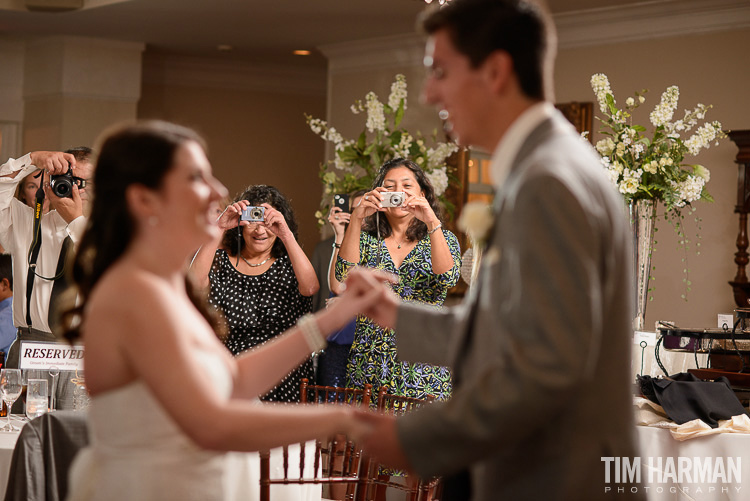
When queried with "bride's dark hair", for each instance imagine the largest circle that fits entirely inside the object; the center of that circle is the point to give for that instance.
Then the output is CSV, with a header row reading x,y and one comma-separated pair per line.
x,y
140,153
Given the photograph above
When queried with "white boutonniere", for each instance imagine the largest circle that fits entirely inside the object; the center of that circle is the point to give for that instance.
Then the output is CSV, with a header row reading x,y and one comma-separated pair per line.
x,y
476,221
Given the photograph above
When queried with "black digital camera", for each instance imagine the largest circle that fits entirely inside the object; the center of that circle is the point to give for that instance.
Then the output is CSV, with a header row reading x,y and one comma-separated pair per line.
x,y
62,184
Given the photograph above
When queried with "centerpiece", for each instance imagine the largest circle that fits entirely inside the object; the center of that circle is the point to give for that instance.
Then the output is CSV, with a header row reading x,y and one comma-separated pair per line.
x,y
356,161
650,168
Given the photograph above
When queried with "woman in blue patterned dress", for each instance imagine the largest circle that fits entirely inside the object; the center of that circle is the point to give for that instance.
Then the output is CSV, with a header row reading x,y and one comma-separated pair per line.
x,y
409,241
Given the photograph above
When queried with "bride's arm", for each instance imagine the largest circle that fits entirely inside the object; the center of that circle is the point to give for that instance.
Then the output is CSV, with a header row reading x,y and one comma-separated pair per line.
x,y
259,370
159,346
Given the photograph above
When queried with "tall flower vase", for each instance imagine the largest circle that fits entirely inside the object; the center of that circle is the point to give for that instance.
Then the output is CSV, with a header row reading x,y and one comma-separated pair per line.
x,y
642,216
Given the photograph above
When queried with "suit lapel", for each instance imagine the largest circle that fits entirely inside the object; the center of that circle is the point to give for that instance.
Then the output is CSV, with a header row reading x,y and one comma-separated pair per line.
x,y
539,135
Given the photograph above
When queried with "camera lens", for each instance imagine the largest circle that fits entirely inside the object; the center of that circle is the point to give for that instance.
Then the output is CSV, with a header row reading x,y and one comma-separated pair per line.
x,y
256,214
396,200
61,187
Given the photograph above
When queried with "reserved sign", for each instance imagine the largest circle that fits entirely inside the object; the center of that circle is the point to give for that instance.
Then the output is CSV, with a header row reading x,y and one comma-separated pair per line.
x,y
63,356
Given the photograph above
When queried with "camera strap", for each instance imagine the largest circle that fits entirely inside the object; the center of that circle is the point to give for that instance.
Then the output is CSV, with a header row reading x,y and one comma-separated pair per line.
x,y
36,245
380,242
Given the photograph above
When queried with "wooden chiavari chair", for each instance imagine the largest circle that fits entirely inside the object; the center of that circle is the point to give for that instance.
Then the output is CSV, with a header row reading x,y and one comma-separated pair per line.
x,y
335,462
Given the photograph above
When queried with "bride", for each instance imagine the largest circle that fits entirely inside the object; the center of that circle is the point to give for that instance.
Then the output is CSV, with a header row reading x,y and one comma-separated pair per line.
x,y
168,399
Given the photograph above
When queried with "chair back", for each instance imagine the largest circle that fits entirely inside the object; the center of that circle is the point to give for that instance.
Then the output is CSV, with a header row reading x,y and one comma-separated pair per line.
x,y
313,393
43,455
380,478
337,461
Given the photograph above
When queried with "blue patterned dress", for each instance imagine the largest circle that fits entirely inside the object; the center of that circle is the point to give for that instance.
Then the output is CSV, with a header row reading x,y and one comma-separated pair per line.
x,y
372,358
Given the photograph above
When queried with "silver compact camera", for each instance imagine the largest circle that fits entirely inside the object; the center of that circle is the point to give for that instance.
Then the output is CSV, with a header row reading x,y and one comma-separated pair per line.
x,y
393,198
253,214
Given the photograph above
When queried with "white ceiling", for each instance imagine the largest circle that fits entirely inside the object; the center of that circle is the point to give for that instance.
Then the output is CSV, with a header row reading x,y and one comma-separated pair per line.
x,y
260,31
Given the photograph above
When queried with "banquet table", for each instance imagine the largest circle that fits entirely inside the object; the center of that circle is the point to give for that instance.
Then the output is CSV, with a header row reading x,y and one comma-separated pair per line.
x,y
657,446
7,443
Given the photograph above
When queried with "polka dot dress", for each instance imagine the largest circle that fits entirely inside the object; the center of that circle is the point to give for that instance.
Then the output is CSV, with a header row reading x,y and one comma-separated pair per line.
x,y
259,308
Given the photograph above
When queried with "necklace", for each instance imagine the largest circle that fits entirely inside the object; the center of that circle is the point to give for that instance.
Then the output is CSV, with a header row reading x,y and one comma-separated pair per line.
x,y
398,245
255,265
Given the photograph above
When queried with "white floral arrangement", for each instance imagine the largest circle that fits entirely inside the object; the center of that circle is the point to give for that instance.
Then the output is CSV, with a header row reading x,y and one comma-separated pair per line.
x,y
357,162
651,167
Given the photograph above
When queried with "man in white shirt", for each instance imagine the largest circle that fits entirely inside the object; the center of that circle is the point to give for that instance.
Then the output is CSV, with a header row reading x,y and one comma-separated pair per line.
x,y
61,227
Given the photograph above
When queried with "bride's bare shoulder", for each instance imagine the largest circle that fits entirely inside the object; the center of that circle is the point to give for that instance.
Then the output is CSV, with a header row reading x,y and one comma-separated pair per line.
x,y
127,294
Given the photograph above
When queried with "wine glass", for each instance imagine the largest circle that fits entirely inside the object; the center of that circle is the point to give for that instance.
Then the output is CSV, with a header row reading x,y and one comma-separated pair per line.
x,y
10,390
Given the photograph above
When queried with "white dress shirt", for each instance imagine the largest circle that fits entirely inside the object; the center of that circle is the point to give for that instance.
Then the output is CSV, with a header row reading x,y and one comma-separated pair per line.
x,y
16,228
507,149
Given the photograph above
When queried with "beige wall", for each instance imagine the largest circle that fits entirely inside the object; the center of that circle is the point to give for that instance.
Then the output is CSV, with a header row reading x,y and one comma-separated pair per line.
x,y
253,138
260,136
710,69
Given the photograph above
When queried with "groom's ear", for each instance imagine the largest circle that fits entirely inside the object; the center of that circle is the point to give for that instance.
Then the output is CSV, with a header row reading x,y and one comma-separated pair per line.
x,y
498,71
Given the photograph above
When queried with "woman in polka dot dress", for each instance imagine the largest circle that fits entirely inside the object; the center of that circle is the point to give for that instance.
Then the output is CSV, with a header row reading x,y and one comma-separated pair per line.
x,y
260,279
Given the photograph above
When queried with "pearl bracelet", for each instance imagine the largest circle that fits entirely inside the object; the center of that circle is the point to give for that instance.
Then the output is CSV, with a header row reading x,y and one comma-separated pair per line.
x,y
435,229
316,341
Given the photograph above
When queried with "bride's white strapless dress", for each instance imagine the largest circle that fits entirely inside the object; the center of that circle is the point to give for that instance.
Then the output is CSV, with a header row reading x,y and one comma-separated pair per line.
x,y
138,452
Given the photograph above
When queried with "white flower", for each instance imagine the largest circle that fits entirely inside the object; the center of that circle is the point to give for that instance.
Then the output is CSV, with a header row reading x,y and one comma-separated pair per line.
x,y
600,84
402,148
357,107
436,156
702,137
333,136
476,220
340,164
702,172
398,92
439,180
665,109
690,189
630,101
375,113
605,146
317,125
651,167
628,186
631,180
613,176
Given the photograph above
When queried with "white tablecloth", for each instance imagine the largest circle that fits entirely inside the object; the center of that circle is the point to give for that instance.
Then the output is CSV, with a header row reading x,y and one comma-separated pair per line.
x,y
7,443
657,443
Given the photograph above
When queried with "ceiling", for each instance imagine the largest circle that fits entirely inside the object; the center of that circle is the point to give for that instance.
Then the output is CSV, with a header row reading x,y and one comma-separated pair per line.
x,y
258,31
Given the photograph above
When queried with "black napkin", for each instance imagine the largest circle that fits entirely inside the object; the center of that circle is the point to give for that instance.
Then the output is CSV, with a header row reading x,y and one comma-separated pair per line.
x,y
685,397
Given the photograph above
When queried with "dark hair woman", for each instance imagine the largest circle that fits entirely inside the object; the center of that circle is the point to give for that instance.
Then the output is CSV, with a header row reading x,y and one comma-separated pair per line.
x,y
260,279
408,240
155,369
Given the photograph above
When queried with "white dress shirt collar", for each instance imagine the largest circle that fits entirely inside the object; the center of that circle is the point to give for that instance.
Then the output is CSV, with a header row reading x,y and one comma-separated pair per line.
x,y
511,142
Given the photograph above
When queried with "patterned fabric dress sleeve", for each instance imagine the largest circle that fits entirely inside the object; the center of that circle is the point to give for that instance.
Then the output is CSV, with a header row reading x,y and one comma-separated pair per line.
x,y
450,277
343,266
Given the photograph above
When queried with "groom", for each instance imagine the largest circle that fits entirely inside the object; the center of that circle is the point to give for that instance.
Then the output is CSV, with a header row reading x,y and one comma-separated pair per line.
x,y
541,347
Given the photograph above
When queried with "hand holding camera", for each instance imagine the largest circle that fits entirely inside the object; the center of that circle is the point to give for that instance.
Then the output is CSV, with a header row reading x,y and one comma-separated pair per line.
x,y
275,223
62,184
54,162
369,204
253,214
65,198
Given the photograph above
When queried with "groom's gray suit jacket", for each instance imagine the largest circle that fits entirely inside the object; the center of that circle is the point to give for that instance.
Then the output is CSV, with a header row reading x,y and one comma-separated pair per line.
x,y
541,347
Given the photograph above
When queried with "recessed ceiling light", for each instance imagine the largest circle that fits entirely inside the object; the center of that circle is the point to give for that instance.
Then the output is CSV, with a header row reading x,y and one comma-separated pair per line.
x,y
224,47
301,52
